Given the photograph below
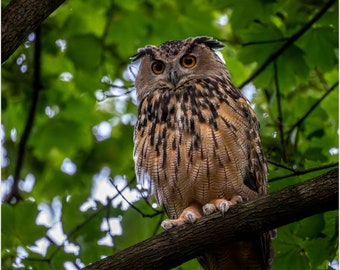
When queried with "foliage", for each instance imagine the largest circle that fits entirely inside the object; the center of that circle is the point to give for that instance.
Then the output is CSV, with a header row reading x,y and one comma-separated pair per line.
x,y
68,213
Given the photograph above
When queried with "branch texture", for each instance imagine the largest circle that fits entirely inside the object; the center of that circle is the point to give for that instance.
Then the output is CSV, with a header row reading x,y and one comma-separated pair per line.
x,y
19,19
183,243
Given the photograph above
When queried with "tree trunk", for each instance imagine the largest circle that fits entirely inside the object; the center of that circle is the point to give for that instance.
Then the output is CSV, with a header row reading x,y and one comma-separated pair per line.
x,y
19,19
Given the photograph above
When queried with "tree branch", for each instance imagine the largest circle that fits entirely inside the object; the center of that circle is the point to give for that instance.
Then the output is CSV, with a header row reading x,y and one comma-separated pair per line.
x,y
19,19
289,42
300,172
36,85
280,114
144,215
180,244
312,108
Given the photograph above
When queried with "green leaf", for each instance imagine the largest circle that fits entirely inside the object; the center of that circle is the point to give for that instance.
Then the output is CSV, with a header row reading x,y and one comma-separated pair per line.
x,y
59,260
192,264
243,12
71,215
325,38
293,257
132,220
121,34
65,135
291,65
261,33
14,219
311,227
84,51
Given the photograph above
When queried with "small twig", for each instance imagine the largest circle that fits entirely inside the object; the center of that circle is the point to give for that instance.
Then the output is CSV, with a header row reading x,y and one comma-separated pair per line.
x,y
301,172
76,265
87,220
280,115
108,23
280,165
50,240
134,207
78,227
289,42
107,219
145,198
312,108
34,259
107,94
40,260
264,42
119,86
132,72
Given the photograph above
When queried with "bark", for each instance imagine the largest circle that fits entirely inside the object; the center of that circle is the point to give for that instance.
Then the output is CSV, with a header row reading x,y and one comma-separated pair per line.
x,y
183,243
19,19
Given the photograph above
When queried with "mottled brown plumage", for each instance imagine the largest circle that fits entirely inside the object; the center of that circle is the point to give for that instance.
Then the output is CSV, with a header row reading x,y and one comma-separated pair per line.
x,y
197,143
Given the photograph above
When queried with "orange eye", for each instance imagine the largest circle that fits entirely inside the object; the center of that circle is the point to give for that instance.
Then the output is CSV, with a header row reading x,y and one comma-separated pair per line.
x,y
158,67
188,61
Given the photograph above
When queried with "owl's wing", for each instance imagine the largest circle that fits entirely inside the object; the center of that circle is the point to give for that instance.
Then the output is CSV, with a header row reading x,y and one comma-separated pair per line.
x,y
240,127
257,176
239,120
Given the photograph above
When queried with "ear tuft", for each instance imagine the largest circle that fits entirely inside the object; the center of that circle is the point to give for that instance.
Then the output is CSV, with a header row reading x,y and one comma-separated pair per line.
x,y
210,42
140,53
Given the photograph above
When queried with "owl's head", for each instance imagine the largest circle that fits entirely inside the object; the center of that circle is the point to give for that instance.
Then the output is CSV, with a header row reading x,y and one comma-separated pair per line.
x,y
173,63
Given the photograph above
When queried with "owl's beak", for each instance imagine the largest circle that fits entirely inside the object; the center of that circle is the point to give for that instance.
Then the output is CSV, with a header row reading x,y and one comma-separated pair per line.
x,y
174,77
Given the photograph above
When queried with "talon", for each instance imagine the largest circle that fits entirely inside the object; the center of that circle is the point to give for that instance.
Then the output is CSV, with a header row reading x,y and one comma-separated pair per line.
x,y
236,199
224,207
170,223
221,205
190,217
167,224
208,209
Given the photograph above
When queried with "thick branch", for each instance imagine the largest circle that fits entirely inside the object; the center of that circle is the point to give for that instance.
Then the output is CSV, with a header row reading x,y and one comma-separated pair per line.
x,y
19,19
176,246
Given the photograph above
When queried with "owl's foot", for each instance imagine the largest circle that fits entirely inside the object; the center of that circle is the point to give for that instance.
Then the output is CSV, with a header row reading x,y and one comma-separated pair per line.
x,y
189,215
221,205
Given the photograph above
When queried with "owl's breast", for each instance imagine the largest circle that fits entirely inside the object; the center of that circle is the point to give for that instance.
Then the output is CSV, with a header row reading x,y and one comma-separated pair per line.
x,y
191,143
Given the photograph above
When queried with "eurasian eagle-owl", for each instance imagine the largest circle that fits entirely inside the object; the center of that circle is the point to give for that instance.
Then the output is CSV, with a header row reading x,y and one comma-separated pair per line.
x,y
197,143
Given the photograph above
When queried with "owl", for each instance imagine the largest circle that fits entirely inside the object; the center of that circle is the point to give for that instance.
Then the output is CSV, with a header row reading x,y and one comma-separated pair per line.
x,y
197,144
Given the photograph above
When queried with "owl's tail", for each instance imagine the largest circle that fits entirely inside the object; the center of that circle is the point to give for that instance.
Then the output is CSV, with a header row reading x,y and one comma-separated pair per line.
x,y
256,254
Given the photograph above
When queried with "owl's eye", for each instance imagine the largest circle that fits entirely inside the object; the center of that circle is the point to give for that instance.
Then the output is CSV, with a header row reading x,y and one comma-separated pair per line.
x,y
158,67
188,61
